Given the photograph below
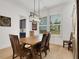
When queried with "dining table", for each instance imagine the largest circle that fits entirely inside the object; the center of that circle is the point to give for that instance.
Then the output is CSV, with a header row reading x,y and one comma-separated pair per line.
x,y
30,41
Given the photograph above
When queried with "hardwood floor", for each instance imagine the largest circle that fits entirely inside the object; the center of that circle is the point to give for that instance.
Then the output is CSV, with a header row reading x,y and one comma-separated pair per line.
x,y
56,52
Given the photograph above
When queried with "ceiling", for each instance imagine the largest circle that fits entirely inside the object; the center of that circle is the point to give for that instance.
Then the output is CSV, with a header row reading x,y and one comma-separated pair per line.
x,y
43,3
29,4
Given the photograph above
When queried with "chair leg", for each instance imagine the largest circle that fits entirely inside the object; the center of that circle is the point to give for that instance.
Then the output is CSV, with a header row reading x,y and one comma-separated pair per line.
x,y
45,53
40,56
20,57
33,52
69,46
63,44
13,56
48,49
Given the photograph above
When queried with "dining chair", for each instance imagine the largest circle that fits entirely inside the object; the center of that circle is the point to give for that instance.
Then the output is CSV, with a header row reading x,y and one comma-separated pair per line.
x,y
40,46
68,42
47,47
18,50
32,34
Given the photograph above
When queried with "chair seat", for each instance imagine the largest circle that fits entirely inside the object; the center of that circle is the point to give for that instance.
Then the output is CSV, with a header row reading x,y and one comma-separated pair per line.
x,y
66,41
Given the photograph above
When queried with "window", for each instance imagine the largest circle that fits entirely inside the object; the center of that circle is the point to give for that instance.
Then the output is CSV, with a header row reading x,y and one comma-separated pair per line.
x,y
43,25
53,24
55,21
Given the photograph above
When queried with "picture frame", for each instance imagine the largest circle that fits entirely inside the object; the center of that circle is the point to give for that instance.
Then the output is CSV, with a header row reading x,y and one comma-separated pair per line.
x,y
34,25
5,21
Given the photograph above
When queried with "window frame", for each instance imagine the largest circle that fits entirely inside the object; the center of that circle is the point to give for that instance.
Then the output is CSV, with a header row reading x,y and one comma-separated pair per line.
x,y
56,24
43,24
48,25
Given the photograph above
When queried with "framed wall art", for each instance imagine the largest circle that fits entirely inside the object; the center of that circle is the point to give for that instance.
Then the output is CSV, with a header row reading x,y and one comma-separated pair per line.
x,y
34,25
5,21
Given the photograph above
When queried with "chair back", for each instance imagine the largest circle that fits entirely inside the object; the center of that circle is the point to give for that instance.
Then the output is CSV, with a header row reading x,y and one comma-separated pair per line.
x,y
47,40
43,40
71,36
15,44
32,33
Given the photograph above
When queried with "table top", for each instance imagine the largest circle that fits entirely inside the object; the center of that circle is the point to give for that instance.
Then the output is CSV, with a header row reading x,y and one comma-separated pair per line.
x,y
29,40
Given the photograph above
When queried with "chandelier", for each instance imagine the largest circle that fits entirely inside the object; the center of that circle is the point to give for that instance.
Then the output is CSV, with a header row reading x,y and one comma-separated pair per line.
x,y
35,15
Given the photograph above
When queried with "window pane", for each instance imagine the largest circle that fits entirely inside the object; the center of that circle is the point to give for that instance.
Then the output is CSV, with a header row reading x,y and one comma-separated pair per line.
x,y
55,19
55,29
55,24
43,25
43,21
42,29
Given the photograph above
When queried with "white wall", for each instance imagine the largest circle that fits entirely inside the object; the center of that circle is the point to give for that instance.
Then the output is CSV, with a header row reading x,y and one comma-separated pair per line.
x,y
16,13
10,10
13,11
65,11
67,21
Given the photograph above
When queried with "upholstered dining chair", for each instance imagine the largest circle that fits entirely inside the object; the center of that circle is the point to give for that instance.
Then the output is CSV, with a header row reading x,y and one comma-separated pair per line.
x,y
41,47
18,50
47,47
